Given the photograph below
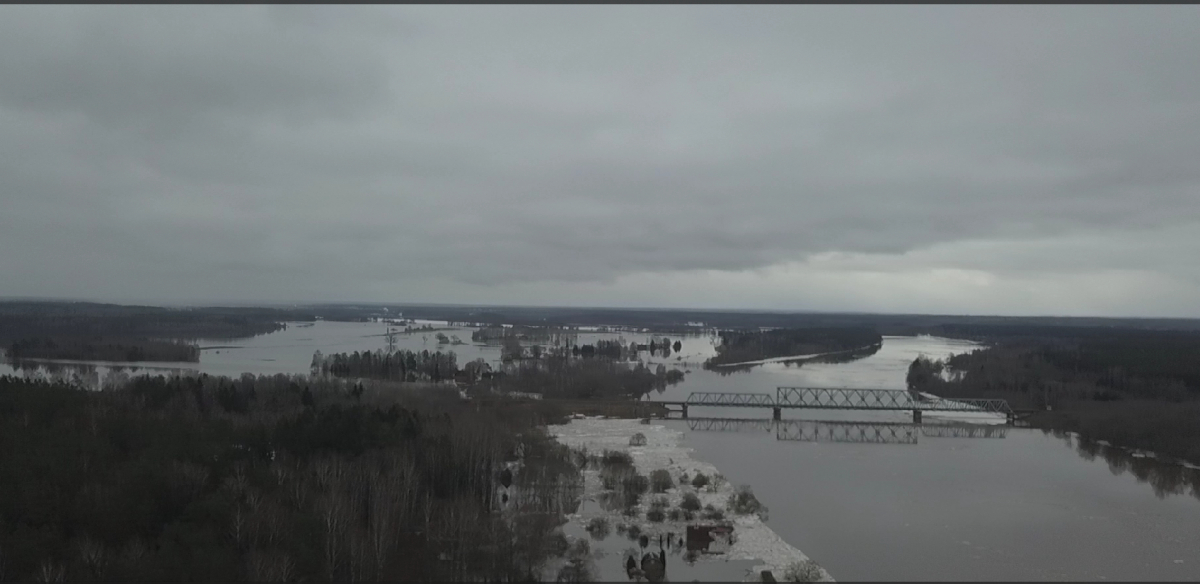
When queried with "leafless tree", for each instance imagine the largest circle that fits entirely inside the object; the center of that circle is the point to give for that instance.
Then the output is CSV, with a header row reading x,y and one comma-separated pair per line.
x,y
94,555
51,571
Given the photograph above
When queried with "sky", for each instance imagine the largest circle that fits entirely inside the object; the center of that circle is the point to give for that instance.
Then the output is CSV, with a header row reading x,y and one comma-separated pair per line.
x,y
1009,160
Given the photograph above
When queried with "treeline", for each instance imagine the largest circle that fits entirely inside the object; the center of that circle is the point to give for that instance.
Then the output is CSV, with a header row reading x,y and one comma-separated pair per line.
x,y
102,350
1133,388
557,377
742,346
136,322
275,479
511,349
107,332
402,365
696,321
615,349
847,356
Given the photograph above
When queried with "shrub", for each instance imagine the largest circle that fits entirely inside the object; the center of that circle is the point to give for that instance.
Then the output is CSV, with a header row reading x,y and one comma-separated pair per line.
x,y
580,457
577,569
675,514
700,481
806,571
712,513
598,527
743,502
612,458
688,515
690,502
660,481
580,549
633,532
637,484
656,515
626,480
638,439
683,478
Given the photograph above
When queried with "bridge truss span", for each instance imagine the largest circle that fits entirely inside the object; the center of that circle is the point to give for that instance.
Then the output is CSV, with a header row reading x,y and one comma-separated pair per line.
x,y
704,398
882,399
845,399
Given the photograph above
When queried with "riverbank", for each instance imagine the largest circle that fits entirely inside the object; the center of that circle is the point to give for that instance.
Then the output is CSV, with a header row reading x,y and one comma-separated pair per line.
x,y
753,539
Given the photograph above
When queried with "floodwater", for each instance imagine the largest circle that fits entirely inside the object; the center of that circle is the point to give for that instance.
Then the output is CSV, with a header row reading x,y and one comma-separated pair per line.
x,y
1016,504
887,502
611,550
291,351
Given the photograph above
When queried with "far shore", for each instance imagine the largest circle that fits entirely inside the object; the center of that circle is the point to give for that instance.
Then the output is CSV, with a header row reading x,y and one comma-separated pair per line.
x,y
792,357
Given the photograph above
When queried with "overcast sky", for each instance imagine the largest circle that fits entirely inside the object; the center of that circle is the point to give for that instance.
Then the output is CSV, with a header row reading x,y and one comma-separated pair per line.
x,y
943,159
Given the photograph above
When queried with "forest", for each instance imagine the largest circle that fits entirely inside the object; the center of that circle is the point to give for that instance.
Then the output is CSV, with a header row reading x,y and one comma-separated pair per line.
x,y
88,320
741,346
556,377
102,350
1135,388
557,372
106,332
276,479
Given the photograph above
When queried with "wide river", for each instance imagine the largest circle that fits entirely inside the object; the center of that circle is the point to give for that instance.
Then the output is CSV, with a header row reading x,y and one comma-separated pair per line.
x,y
1011,504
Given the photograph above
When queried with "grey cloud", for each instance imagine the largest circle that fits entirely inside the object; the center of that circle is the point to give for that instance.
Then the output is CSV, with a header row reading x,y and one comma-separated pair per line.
x,y
245,152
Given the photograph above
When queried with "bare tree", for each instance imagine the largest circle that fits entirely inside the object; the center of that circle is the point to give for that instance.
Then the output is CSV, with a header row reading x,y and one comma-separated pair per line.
x,y
94,555
52,572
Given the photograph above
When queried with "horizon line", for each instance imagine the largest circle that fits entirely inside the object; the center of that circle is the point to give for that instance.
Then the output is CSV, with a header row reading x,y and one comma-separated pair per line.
x,y
284,304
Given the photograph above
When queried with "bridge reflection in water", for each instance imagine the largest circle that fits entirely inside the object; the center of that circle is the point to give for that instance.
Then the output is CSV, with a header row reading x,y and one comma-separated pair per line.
x,y
836,398
849,432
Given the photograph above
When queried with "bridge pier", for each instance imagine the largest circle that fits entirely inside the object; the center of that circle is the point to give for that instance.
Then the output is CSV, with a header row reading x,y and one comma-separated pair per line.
x,y
684,412
777,413
1010,419
916,416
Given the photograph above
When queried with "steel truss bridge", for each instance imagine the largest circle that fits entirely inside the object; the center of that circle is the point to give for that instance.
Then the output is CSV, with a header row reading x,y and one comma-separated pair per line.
x,y
824,398
852,432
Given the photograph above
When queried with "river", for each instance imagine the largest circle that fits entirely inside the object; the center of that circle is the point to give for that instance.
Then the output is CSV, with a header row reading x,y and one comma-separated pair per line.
x,y
1024,506
1017,505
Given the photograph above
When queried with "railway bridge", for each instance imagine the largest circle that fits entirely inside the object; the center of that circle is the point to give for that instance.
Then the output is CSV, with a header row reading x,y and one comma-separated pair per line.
x,y
826,398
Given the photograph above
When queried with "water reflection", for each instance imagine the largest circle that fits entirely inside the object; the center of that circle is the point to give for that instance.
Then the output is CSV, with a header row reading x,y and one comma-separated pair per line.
x,y
1164,477
846,431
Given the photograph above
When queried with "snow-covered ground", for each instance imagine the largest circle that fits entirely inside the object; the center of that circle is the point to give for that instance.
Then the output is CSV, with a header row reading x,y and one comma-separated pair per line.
x,y
663,450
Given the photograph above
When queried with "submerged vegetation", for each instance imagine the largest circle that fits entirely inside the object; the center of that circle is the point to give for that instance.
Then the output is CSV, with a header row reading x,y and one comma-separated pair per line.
x,y
402,365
